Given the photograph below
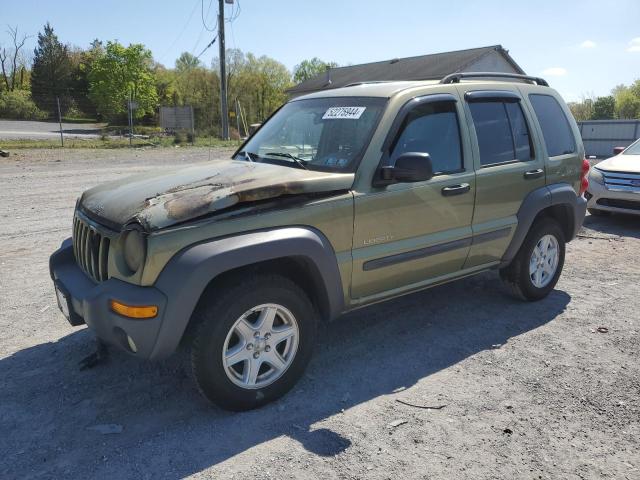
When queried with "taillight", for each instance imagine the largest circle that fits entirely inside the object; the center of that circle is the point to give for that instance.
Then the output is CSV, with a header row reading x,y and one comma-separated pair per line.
x,y
584,176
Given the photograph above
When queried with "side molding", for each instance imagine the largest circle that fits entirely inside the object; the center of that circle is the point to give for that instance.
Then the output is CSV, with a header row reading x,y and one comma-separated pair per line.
x,y
189,272
538,200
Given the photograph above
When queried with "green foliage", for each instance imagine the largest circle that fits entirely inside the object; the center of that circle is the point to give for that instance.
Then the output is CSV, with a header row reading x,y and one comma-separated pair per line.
x,y
623,103
51,70
200,88
121,72
259,84
179,138
582,110
627,100
79,104
187,61
604,108
627,104
164,81
17,105
310,68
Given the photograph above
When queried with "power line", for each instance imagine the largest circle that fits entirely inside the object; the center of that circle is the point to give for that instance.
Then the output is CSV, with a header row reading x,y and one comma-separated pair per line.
x,y
184,28
234,14
232,19
203,16
187,70
208,46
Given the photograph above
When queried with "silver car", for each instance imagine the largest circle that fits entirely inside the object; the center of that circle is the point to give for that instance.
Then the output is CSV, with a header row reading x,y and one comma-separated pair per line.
x,y
614,184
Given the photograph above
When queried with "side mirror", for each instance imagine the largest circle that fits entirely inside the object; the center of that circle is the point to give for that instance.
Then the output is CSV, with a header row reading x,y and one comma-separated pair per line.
x,y
409,167
618,150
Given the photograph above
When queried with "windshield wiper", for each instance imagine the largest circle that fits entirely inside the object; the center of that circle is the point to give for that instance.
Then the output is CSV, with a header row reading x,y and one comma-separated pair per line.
x,y
299,161
250,156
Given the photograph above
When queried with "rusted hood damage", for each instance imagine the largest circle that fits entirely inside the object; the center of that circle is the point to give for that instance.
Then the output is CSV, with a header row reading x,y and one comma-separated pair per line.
x,y
166,198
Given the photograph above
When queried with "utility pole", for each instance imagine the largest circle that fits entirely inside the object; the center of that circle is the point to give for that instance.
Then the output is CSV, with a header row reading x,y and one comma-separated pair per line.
x,y
60,121
223,73
129,108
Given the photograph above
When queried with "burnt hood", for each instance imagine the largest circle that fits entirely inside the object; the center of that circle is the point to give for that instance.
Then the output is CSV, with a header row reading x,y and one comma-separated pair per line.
x,y
161,199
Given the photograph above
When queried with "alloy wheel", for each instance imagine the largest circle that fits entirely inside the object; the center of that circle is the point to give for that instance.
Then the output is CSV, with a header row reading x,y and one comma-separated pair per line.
x,y
260,346
544,261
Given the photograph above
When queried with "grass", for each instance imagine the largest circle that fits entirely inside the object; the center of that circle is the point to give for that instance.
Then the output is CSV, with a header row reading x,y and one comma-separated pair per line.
x,y
114,143
78,120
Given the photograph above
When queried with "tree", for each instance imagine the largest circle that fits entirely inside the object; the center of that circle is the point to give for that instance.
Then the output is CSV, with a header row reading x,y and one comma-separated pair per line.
x,y
165,84
81,65
272,79
10,61
310,68
119,74
259,83
604,108
582,110
187,61
51,70
200,88
627,100
627,104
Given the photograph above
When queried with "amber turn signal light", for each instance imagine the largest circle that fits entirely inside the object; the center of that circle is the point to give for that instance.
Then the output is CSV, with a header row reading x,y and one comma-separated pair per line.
x,y
147,311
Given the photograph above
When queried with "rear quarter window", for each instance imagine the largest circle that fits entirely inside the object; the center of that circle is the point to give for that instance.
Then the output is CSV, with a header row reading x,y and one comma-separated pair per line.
x,y
556,130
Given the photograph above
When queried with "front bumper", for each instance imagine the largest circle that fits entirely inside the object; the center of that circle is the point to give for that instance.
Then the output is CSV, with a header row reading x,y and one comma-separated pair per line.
x,y
89,303
601,198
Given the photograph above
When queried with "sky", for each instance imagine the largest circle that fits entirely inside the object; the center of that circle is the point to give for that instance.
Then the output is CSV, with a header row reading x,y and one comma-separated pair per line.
x,y
584,47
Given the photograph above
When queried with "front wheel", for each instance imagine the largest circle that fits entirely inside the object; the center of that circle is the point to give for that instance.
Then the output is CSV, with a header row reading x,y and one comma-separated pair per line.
x,y
254,342
535,270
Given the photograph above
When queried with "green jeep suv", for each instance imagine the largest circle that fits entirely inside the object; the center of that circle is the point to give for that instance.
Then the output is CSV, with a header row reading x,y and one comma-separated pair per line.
x,y
343,198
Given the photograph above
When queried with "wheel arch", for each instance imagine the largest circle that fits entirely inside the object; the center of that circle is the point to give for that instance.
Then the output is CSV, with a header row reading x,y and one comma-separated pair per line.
x,y
558,201
300,253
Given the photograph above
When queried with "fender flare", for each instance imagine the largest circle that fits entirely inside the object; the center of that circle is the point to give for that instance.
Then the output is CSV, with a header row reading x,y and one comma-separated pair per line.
x,y
536,201
187,274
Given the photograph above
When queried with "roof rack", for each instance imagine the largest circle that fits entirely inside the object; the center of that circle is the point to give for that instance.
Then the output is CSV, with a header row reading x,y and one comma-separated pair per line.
x,y
456,77
367,82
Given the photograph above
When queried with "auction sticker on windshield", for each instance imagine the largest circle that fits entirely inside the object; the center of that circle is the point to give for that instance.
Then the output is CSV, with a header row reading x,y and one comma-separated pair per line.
x,y
351,113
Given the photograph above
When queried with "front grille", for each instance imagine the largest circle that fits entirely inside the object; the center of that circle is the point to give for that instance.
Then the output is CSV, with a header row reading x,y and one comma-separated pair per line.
x,y
622,182
612,202
91,249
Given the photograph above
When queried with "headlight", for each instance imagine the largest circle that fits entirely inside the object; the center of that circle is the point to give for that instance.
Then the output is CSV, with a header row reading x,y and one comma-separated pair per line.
x,y
135,250
596,176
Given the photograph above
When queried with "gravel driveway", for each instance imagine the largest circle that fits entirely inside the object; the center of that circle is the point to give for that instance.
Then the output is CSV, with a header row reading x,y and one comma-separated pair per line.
x,y
522,390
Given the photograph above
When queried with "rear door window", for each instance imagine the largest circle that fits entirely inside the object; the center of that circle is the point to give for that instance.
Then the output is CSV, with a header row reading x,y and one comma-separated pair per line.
x,y
556,131
521,138
502,132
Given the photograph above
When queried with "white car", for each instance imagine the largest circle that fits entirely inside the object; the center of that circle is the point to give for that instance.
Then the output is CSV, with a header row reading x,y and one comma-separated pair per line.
x,y
614,184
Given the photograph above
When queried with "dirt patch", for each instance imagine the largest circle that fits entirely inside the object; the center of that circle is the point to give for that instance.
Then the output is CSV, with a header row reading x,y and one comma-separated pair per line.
x,y
526,390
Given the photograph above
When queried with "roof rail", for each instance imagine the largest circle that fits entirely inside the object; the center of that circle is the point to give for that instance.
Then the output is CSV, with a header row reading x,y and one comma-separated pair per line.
x,y
355,84
456,77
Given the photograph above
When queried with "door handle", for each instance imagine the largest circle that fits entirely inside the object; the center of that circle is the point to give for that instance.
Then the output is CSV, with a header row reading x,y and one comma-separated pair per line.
x,y
532,174
456,189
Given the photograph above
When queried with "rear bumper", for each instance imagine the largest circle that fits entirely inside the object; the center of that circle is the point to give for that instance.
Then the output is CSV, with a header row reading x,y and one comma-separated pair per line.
x,y
89,303
601,198
579,212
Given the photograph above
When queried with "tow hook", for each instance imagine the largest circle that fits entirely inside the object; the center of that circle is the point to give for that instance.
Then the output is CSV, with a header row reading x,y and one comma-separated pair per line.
x,y
96,358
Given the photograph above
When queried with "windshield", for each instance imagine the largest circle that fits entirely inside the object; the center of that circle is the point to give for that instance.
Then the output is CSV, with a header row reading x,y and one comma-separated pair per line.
x,y
633,149
328,134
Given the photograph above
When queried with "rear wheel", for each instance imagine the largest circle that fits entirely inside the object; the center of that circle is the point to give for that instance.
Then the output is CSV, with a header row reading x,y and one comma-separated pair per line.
x,y
535,270
254,342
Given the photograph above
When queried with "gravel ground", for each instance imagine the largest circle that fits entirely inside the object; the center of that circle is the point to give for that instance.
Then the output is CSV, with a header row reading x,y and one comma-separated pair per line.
x,y
528,390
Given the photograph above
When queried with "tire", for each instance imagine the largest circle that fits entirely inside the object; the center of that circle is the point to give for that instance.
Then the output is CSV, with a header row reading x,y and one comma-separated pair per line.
x,y
518,277
228,321
598,213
